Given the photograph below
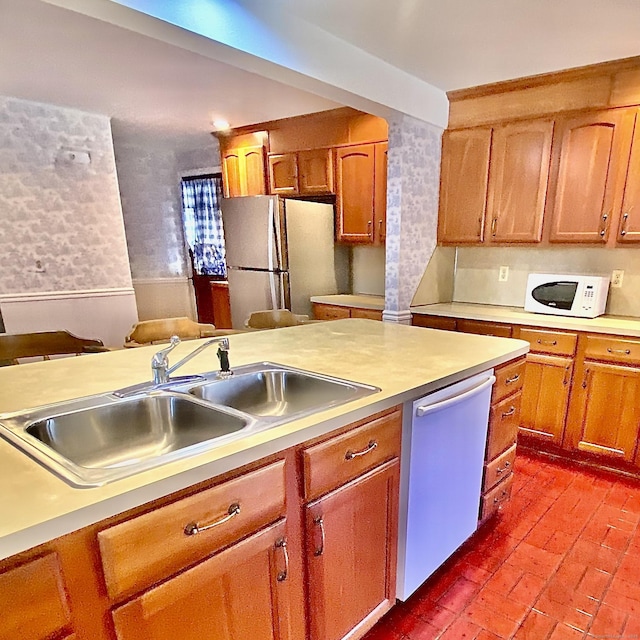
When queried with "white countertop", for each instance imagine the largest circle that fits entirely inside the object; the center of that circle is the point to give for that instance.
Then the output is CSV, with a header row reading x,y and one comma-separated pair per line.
x,y
404,362
619,325
357,300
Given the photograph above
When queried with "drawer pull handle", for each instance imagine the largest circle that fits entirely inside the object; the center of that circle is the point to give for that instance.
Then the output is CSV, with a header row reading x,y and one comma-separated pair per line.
x,y
625,219
194,528
550,343
350,455
513,379
282,544
511,411
370,229
625,352
320,522
506,467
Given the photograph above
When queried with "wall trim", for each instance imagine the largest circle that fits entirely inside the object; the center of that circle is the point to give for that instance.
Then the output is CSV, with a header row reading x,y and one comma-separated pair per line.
x,y
65,295
399,317
162,280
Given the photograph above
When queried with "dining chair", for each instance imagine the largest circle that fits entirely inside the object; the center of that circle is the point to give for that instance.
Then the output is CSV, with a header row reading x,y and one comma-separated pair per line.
x,y
161,329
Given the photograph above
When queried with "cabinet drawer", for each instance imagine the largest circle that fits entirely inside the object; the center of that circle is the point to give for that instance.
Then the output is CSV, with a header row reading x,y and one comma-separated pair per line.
x,y
509,379
151,547
492,500
330,312
369,314
499,468
329,464
434,322
503,425
485,328
553,342
613,349
33,601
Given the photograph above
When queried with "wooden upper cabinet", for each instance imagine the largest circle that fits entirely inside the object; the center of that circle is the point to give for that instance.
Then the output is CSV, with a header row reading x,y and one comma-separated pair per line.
x,y
315,171
629,228
380,192
518,178
593,152
463,185
355,171
283,173
243,172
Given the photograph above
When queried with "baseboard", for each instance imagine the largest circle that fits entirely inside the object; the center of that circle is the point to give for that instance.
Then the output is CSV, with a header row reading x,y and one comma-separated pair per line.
x,y
399,317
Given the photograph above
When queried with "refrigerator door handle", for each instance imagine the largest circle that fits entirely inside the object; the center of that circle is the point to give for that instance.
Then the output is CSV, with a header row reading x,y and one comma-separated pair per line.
x,y
271,236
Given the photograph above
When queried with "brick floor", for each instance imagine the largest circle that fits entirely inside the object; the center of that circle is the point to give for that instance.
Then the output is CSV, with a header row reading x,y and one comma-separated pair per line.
x,y
560,562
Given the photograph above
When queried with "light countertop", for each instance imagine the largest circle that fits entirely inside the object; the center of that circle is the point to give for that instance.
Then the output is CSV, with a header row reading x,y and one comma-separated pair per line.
x,y
404,362
360,301
619,325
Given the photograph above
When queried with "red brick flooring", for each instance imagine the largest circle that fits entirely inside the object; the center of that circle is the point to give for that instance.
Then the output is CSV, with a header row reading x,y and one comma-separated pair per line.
x,y
561,562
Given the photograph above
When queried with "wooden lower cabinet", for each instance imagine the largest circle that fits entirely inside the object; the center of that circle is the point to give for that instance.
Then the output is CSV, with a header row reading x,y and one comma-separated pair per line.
x,y
323,311
351,552
239,593
545,397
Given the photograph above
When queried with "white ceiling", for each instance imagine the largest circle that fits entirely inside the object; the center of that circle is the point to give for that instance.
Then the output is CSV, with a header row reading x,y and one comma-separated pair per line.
x,y
50,54
453,44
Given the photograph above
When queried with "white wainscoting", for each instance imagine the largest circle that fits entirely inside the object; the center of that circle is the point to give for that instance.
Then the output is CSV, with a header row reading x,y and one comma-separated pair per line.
x,y
105,314
164,298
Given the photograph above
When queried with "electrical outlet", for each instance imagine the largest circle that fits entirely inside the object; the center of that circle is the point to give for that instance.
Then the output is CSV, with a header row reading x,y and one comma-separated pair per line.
x,y
616,278
503,274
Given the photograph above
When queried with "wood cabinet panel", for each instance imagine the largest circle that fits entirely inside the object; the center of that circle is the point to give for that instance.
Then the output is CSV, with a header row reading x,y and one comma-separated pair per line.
x,y
498,469
240,593
243,172
551,342
367,314
463,185
545,397
355,167
611,349
283,173
341,458
629,228
598,423
33,600
380,192
518,179
330,312
434,322
509,379
351,554
593,150
491,501
485,328
152,546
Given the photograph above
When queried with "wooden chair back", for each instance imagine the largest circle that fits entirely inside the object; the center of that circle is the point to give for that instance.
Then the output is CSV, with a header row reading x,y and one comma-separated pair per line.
x,y
44,344
161,330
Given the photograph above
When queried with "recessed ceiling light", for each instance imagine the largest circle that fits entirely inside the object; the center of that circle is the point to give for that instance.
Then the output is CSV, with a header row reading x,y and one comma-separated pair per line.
x,y
221,125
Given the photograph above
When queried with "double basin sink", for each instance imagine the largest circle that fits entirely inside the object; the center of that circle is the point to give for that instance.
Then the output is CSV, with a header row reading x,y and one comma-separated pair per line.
x,y
98,439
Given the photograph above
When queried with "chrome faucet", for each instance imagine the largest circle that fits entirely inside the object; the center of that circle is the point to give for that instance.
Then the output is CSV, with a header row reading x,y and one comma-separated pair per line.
x,y
160,361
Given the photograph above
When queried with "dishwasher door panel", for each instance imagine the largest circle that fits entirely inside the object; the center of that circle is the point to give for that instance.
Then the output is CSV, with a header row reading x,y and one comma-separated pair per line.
x,y
442,477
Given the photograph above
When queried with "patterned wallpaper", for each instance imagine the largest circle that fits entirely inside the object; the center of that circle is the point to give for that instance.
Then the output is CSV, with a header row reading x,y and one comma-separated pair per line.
x,y
62,227
149,170
412,206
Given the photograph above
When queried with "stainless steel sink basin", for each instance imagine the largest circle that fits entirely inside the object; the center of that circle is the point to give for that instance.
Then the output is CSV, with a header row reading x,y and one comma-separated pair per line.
x,y
95,440
272,391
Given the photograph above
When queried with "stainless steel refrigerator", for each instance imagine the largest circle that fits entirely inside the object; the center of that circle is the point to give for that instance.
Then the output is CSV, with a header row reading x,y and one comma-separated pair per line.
x,y
279,253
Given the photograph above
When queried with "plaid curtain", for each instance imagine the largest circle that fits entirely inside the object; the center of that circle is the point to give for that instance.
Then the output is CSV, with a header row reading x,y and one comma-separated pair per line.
x,y
203,224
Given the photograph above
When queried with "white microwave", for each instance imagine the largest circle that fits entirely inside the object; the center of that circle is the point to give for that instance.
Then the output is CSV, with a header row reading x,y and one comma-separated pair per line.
x,y
560,295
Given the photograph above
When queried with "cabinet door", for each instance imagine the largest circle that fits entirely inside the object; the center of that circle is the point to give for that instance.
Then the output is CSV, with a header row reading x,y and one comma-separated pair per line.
x,y
380,193
483,328
231,170
591,158
351,553
355,168
330,311
605,412
463,185
254,176
629,230
518,177
315,171
240,593
283,173
545,397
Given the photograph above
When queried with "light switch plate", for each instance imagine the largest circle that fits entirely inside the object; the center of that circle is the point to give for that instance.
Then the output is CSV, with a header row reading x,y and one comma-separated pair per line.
x,y
503,274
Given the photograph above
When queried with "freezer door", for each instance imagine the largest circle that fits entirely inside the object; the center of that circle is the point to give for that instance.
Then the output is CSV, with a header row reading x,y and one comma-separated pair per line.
x,y
251,291
253,233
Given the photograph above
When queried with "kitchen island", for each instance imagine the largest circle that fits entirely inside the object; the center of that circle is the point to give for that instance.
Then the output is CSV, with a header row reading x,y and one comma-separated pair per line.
x,y
404,362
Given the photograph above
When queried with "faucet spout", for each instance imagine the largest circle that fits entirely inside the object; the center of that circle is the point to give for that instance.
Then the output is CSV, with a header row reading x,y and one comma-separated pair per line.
x,y
223,356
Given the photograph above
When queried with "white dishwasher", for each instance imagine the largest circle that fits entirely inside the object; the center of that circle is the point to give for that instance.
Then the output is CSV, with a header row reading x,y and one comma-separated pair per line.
x,y
443,445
